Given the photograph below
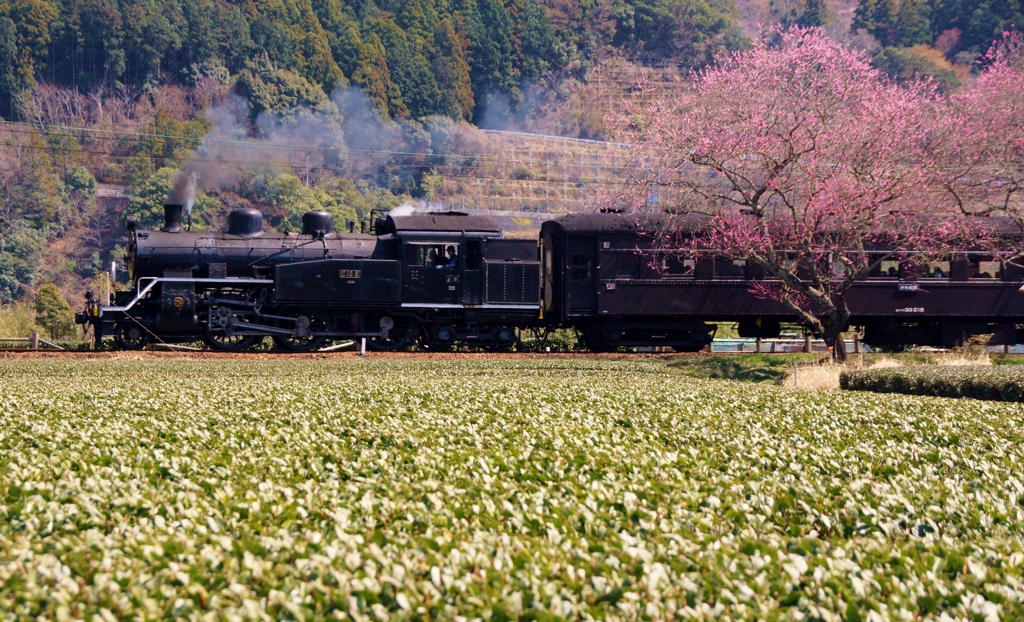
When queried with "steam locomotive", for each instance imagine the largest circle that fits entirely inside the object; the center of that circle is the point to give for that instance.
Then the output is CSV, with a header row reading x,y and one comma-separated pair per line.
x,y
600,274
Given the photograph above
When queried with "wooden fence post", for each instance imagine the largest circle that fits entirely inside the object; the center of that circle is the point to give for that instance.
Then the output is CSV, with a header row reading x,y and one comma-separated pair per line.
x,y
33,342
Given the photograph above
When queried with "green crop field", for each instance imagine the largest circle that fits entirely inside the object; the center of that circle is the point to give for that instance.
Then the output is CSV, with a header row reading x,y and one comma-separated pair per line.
x,y
501,489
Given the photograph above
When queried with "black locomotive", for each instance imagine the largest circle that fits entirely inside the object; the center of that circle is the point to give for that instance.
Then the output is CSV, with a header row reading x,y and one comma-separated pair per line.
x,y
234,288
600,274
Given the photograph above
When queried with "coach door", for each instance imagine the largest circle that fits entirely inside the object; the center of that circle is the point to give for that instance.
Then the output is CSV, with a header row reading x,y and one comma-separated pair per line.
x,y
581,268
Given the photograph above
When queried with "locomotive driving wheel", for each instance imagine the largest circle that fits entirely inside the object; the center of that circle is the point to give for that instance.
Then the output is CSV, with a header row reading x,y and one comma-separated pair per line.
x,y
307,342
220,340
394,334
130,335
220,333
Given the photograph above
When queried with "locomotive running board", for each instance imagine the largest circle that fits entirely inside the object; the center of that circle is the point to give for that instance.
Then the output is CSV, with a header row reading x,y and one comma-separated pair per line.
x,y
153,280
427,305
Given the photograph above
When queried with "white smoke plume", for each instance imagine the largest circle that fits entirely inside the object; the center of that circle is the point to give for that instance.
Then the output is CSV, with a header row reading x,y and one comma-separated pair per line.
x,y
183,190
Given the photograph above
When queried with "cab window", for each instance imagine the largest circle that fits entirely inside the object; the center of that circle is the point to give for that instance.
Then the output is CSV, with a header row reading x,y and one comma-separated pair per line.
x,y
428,255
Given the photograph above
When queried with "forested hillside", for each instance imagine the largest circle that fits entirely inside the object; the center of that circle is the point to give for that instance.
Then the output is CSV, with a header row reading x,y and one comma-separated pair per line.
x,y
348,106
412,57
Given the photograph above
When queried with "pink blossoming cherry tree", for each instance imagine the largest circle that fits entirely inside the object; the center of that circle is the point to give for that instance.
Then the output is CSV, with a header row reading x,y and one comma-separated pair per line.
x,y
982,150
804,158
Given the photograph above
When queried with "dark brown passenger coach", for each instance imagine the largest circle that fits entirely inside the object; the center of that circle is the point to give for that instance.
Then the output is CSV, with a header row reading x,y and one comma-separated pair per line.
x,y
441,279
604,277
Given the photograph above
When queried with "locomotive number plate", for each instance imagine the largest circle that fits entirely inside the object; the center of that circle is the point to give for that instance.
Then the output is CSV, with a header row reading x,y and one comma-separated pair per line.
x,y
350,274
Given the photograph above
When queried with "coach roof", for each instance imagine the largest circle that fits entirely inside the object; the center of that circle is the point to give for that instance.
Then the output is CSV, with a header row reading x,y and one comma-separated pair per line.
x,y
609,222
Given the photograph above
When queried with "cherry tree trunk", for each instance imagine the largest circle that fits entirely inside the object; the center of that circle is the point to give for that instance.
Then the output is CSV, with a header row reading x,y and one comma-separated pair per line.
x,y
833,336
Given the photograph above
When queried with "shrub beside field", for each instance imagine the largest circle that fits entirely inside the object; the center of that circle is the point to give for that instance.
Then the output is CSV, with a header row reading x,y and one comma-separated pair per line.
x,y
503,489
1001,383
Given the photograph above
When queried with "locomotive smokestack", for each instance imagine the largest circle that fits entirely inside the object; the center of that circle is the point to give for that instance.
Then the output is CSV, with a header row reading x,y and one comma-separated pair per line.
x,y
172,217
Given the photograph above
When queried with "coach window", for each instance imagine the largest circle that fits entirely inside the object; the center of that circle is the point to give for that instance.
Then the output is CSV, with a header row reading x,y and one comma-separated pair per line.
x,y
676,268
936,270
627,266
730,268
889,268
581,268
984,268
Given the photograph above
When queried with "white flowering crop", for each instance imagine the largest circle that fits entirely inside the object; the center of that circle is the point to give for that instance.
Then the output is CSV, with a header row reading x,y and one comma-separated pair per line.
x,y
529,489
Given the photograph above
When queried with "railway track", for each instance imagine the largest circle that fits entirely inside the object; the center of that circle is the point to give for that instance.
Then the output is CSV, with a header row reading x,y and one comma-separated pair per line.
x,y
13,353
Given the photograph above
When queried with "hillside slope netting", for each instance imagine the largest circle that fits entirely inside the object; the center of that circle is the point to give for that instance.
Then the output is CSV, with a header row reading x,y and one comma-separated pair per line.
x,y
1002,383
541,489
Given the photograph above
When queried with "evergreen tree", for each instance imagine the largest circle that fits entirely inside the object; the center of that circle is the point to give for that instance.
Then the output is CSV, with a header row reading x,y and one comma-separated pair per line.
x,y
314,61
152,32
374,77
815,14
451,70
533,40
410,70
278,91
21,251
914,23
54,313
32,23
342,31
103,55
10,80
878,17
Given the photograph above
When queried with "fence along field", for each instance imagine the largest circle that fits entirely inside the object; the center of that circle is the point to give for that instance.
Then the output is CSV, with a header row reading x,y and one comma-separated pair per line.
x,y
541,489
